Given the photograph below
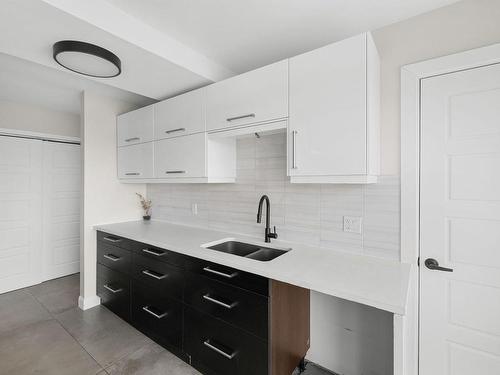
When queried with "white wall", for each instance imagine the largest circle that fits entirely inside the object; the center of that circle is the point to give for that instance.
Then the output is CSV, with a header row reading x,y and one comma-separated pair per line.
x,y
104,198
455,28
27,117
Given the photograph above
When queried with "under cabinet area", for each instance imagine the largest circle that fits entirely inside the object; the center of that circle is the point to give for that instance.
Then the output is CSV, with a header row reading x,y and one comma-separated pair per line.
x,y
221,320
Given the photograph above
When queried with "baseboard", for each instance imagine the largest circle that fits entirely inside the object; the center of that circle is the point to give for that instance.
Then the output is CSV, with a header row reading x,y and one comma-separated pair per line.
x,y
88,302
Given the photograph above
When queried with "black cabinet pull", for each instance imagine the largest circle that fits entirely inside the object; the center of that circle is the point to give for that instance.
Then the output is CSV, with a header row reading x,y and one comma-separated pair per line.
x,y
157,315
155,252
154,275
219,273
433,264
209,298
210,344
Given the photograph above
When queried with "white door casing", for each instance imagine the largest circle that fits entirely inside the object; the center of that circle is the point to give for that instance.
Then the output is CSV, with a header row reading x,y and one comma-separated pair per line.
x,y
61,209
460,223
20,212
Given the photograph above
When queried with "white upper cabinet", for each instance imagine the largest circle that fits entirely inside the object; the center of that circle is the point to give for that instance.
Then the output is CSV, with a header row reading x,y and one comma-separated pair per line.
x,y
333,123
181,157
136,161
135,127
257,96
181,115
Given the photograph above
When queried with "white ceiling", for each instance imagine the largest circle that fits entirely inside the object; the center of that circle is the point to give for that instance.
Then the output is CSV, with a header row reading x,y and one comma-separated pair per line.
x,y
246,34
171,46
31,83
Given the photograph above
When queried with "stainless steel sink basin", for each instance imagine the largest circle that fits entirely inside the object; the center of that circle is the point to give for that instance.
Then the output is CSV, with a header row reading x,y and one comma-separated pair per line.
x,y
246,250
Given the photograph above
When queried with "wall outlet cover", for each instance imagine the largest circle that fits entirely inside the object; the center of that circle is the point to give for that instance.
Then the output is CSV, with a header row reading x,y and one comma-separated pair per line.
x,y
352,224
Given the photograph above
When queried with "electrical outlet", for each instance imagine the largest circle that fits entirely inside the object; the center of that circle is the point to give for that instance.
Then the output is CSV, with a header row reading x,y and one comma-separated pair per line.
x,y
352,224
194,208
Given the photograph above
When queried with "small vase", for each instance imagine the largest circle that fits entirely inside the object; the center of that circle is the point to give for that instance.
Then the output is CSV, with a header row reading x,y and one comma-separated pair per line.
x,y
147,217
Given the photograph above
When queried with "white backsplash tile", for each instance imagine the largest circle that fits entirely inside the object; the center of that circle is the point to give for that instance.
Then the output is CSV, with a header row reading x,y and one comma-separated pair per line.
x,y
304,213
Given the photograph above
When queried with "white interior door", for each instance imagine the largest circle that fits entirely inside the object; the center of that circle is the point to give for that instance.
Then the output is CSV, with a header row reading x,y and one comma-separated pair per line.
x,y
61,209
460,223
20,212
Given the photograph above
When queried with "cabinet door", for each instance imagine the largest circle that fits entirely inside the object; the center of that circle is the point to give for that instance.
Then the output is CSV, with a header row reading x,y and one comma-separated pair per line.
x,y
135,127
256,96
135,162
182,115
181,157
327,124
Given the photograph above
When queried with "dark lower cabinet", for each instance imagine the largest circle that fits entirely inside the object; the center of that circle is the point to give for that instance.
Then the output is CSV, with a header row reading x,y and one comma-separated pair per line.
x,y
219,348
221,320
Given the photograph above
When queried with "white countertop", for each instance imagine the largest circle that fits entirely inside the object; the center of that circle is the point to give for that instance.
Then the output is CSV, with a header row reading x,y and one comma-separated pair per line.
x,y
371,281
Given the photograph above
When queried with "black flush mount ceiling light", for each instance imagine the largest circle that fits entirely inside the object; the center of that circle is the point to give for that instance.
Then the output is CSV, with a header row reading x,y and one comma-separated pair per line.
x,y
87,59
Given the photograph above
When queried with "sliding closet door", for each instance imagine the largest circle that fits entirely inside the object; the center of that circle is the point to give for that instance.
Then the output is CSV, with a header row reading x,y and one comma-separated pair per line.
x,y
61,209
20,212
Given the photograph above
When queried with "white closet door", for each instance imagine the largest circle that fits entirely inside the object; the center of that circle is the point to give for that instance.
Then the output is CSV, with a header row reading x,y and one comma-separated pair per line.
x,y
61,209
20,212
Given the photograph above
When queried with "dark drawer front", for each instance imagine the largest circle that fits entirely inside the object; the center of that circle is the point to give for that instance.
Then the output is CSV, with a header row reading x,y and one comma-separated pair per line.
x,y
114,289
158,276
117,241
113,257
254,283
156,253
219,348
237,306
157,316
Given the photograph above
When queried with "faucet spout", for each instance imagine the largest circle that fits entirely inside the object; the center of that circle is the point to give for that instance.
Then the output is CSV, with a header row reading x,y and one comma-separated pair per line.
x,y
268,234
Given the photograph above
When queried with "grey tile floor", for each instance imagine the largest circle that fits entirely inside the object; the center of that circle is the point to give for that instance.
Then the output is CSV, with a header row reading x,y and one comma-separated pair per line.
x,y
43,332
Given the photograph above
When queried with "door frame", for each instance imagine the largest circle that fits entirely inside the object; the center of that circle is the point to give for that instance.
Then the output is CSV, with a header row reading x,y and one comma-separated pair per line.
x,y
406,328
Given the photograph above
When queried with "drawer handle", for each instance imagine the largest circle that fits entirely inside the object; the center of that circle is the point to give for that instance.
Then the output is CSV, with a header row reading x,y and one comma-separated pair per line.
x,y
175,130
132,139
157,253
132,174
174,172
240,117
154,275
210,345
112,239
106,286
294,149
220,303
227,275
112,257
149,311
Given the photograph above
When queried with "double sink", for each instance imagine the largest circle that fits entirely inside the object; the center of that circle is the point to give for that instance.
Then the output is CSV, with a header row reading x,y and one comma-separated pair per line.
x,y
246,250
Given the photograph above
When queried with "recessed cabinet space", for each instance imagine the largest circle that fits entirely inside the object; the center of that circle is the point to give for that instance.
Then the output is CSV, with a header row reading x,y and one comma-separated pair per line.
x,y
333,124
257,96
135,127
220,320
136,161
181,115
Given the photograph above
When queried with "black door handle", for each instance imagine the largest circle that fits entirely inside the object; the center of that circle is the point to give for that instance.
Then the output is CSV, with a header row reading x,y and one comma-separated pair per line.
x,y
433,264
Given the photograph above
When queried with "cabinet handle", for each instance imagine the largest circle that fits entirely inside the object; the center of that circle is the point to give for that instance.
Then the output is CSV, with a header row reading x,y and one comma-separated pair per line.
x,y
240,117
174,172
132,139
220,303
175,130
157,253
294,149
132,174
112,257
112,239
227,275
158,316
154,275
106,286
211,346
